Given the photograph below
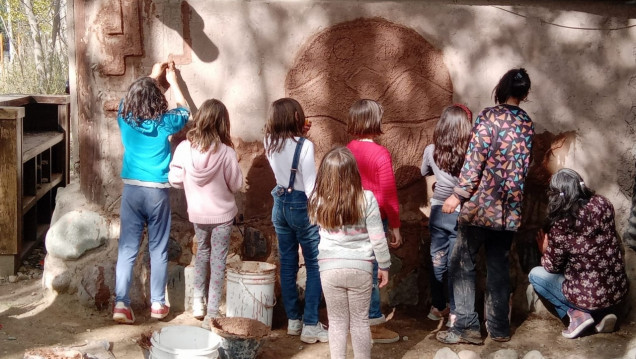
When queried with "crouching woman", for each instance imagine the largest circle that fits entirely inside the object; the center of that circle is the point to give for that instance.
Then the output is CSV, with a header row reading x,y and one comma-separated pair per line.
x,y
582,271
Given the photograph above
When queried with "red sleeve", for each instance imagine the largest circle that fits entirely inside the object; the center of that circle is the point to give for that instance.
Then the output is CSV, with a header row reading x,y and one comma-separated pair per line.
x,y
388,188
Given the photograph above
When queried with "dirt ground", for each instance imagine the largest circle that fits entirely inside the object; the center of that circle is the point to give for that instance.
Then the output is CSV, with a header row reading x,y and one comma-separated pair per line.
x,y
29,320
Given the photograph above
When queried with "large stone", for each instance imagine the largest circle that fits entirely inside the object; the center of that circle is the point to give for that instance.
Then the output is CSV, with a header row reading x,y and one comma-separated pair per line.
x,y
468,354
97,283
75,233
445,353
504,354
533,354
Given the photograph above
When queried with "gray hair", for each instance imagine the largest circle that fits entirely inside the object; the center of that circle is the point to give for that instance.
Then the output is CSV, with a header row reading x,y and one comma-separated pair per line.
x,y
567,193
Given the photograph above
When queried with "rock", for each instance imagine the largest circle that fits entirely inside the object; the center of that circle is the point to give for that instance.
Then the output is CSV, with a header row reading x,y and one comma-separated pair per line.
x,y
75,233
23,276
468,354
61,283
504,354
533,354
445,353
406,291
13,278
96,285
535,304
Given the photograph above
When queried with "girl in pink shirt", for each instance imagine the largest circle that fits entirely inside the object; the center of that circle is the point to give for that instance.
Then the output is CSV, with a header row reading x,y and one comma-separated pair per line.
x,y
206,167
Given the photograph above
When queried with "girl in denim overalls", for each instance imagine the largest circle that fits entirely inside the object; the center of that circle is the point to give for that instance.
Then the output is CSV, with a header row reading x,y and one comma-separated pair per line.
x,y
291,157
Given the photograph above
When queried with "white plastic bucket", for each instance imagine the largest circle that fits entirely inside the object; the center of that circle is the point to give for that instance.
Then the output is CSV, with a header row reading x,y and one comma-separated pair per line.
x,y
250,291
184,342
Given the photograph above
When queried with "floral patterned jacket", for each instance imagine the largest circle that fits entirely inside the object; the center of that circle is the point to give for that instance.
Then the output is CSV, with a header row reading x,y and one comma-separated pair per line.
x,y
589,254
495,168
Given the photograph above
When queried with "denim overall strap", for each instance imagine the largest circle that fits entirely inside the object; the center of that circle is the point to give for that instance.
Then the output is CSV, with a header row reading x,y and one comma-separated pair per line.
x,y
294,168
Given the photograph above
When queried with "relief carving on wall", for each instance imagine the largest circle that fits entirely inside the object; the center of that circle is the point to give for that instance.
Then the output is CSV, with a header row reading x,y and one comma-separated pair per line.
x,y
121,35
380,60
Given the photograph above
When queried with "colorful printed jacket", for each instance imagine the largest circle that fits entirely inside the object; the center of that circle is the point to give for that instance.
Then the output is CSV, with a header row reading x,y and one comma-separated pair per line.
x,y
495,168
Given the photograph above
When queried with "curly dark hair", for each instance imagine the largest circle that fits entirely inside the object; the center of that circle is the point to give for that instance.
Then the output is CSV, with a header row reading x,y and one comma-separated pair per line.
x,y
144,101
566,195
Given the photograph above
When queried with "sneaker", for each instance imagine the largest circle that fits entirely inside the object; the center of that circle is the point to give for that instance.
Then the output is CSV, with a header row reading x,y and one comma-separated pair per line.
x,y
159,311
123,314
436,314
314,333
452,318
451,337
198,308
579,321
381,335
294,326
607,324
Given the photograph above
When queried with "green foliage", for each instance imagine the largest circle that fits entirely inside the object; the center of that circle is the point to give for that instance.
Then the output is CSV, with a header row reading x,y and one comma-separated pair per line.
x,y
20,75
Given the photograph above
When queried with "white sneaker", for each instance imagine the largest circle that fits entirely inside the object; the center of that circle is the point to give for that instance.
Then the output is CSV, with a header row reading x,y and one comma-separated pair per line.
x,y
451,320
314,333
198,308
294,326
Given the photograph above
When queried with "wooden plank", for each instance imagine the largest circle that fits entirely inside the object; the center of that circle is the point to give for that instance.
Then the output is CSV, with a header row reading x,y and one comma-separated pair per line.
x,y
14,100
34,143
52,99
10,180
11,113
29,201
63,157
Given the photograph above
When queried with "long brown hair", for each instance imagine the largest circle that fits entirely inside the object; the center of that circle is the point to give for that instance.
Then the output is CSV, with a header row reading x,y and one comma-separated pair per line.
x,y
143,101
365,119
338,198
211,126
451,137
285,120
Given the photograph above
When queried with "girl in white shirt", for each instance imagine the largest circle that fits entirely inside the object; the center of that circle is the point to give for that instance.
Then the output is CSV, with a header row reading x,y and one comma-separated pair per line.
x,y
291,157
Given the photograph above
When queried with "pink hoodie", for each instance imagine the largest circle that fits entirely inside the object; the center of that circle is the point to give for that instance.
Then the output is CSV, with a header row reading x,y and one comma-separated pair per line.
x,y
209,180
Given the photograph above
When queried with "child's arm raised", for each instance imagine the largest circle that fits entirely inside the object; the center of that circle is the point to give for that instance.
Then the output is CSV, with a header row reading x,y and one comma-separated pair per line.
x,y
171,77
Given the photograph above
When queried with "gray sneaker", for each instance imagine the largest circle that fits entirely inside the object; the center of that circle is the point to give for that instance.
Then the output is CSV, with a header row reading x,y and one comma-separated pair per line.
x,y
294,326
314,333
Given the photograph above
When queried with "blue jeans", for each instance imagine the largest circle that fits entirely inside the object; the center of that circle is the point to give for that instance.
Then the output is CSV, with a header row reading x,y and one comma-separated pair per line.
x,y
374,307
291,222
497,243
548,285
143,206
443,229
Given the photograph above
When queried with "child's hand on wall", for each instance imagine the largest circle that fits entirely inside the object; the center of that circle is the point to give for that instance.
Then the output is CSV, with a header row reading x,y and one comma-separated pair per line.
x,y
171,74
158,69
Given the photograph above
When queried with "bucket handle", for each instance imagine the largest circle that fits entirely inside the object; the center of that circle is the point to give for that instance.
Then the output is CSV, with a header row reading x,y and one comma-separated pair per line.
x,y
256,299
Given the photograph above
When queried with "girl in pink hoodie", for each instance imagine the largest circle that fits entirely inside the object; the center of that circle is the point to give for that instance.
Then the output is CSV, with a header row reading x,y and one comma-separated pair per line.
x,y
206,167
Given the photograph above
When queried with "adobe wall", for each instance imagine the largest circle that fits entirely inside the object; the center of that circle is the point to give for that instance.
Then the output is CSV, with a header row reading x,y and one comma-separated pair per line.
x,y
414,57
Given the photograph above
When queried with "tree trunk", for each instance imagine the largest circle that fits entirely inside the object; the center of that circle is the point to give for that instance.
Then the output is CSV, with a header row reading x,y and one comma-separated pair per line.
x,y
38,53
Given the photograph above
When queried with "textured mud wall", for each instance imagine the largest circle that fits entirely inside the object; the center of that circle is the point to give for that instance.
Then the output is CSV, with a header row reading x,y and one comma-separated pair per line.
x,y
376,59
414,57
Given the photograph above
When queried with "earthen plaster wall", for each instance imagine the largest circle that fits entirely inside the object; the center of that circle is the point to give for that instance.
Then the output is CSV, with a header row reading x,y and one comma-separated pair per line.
x,y
415,57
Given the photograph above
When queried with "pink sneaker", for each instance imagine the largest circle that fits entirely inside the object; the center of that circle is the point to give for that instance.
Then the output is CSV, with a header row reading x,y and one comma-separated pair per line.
x,y
123,314
579,321
159,310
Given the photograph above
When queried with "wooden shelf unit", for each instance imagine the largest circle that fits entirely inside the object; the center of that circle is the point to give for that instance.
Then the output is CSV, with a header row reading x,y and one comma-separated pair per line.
x,y
34,162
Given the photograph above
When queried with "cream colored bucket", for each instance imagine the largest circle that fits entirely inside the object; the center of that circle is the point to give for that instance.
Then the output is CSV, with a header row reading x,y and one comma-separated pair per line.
x,y
250,291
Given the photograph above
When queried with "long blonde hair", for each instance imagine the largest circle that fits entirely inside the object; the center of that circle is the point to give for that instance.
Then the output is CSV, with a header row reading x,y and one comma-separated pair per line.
x,y
211,126
338,198
285,120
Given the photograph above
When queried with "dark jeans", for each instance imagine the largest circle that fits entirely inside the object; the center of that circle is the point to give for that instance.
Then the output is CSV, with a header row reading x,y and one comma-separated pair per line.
x,y
497,243
443,229
291,222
